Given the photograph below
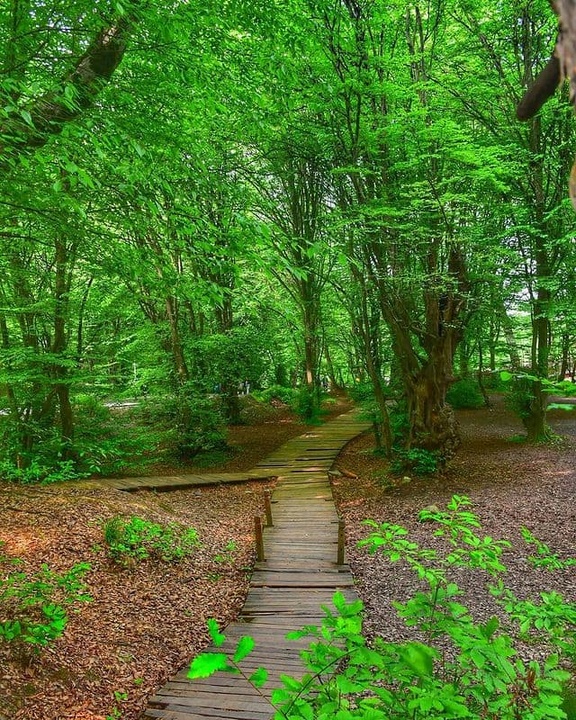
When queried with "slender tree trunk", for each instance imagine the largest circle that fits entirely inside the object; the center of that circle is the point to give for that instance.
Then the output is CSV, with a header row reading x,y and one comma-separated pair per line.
x,y
564,363
178,358
334,381
62,382
480,375
370,331
229,384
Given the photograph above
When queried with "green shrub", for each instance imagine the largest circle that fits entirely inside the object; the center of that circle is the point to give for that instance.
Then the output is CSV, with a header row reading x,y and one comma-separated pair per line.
x,y
34,605
36,472
307,405
362,392
416,460
465,394
134,539
194,422
399,422
480,676
285,395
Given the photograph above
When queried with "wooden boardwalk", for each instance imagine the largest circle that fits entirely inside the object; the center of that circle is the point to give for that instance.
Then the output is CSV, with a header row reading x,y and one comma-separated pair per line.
x,y
299,574
177,482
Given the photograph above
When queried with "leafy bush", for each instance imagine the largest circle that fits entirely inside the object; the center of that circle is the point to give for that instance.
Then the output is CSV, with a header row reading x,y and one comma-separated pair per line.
x,y
465,394
36,472
34,605
285,395
481,674
362,392
307,405
194,422
399,422
134,539
104,444
416,460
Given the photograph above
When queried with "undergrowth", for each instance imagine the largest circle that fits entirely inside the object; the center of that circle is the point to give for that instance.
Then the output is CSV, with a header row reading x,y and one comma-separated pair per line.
x,y
480,675
33,604
134,539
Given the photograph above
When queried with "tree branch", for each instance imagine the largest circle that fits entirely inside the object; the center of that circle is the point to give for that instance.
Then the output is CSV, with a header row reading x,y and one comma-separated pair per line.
x,y
76,92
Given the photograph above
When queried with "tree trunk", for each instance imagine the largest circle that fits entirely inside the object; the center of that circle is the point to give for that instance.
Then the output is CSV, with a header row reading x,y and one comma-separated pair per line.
x,y
564,363
62,386
180,366
229,385
433,425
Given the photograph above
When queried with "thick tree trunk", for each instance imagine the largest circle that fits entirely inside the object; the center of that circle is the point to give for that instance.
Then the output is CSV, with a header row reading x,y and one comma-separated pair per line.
x,y
433,425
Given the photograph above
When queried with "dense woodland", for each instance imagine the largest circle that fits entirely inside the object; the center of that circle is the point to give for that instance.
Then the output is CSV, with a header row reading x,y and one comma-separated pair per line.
x,y
285,194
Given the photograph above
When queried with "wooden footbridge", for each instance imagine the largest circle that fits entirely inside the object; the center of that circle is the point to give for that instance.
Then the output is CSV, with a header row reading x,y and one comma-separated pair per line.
x,y
300,570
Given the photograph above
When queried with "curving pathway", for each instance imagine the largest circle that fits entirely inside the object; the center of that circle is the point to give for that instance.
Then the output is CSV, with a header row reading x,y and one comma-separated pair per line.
x,y
300,573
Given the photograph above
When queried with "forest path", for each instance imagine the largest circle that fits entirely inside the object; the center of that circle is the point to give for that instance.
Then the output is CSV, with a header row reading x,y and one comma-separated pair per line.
x,y
300,573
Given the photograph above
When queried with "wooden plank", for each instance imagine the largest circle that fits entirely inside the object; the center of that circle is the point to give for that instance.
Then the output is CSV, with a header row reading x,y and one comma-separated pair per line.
x,y
231,703
179,713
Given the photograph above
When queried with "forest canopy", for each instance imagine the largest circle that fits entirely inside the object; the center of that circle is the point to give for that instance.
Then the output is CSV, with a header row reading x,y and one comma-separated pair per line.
x,y
203,197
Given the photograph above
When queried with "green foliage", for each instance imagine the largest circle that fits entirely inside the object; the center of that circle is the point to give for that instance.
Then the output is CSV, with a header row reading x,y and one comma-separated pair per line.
x,y
362,392
134,539
307,405
285,395
106,443
226,555
480,674
465,394
35,473
193,423
399,422
416,460
518,399
120,696
109,442
206,664
34,604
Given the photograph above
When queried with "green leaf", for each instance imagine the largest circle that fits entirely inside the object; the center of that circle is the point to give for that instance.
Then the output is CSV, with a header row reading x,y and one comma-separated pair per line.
x,y
244,648
207,664
418,658
217,637
505,376
27,117
259,677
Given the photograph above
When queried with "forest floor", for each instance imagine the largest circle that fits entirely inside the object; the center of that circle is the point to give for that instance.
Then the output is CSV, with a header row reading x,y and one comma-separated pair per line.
x,y
146,620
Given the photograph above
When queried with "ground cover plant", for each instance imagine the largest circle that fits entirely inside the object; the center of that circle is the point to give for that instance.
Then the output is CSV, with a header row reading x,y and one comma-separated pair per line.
x,y
134,539
33,606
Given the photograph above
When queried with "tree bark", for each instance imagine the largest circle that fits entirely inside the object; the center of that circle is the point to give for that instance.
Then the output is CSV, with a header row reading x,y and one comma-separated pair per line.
x,y
48,114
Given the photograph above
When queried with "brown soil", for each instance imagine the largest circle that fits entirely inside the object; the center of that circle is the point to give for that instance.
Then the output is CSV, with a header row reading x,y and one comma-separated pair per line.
x,y
146,621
